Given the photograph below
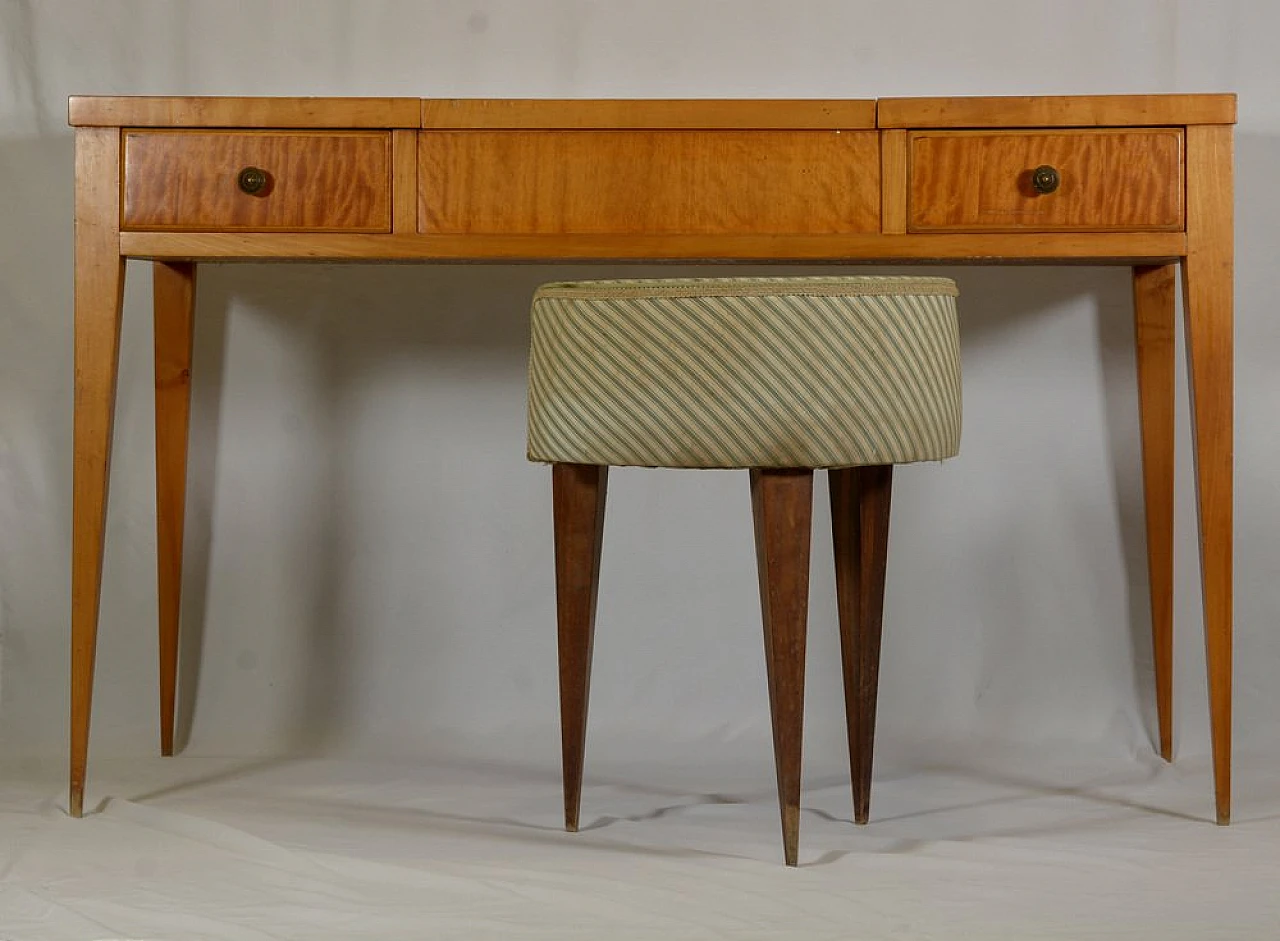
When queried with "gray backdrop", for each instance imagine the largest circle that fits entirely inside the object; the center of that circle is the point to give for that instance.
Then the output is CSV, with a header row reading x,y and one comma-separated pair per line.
x,y
369,555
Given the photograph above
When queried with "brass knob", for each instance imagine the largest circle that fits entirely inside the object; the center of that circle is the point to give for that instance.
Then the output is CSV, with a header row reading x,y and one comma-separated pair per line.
x,y
252,180
1045,179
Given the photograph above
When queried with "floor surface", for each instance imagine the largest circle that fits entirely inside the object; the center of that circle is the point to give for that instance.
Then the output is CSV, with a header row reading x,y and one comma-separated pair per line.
x,y
997,846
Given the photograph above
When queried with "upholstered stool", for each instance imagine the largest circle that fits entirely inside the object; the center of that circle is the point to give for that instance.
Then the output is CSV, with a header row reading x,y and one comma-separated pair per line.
x,y
776,375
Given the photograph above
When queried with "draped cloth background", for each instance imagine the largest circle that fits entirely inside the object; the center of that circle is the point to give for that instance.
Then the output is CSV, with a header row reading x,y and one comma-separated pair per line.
x,y
368,572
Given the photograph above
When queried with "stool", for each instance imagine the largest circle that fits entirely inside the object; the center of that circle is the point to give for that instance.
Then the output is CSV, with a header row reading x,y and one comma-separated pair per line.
x,y
775,375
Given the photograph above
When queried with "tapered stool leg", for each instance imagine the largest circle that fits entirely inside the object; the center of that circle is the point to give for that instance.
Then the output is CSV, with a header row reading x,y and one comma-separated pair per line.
x,y
782,504
860,498
578,496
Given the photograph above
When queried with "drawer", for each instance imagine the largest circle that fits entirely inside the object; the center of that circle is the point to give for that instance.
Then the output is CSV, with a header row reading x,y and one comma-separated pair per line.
x,y
309,181
649,182
984,181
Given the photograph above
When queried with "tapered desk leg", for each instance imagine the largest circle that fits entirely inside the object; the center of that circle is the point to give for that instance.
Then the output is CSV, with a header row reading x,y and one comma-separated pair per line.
x,y
175,293
1207,290
99,283
1153,301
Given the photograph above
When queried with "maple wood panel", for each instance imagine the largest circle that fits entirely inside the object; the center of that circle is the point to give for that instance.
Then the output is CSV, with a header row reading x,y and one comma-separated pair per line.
x,y
404,182
335,181
1153,304
1011,111
99,294
511,113
893,182
648,182
973,181
1119,248
167,111
174,295
1057,111
1208,291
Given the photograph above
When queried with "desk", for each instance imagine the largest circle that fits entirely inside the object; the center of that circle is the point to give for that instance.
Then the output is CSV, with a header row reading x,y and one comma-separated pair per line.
x,y
1143,181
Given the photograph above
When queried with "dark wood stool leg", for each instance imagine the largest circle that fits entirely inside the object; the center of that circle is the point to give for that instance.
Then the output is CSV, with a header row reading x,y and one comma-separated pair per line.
x,y
578,494
782,504
860,499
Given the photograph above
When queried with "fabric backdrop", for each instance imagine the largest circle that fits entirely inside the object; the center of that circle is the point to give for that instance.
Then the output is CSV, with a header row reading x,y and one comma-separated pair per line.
x,y
369,555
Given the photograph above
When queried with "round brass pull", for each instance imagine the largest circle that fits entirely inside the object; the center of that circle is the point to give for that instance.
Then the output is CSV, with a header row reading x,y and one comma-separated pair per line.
x,y
1045,179
253,180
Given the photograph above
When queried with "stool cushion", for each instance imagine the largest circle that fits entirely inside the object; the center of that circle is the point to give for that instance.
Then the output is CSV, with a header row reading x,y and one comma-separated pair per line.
x,y
745,372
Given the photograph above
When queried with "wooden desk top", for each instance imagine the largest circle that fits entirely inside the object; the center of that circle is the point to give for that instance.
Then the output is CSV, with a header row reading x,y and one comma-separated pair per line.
x,y
508,113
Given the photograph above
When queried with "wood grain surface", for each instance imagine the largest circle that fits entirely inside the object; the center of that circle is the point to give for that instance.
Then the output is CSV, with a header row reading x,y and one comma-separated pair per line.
x,y
650,182
782,510
966,181
335,181
778,114
1208,289
860,501
174,300
99,289
1153,305
1108,248
213,111
578,500
1057,111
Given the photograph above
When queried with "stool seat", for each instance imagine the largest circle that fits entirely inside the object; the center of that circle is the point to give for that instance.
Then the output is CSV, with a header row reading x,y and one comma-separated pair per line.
x,y
745,372
776,375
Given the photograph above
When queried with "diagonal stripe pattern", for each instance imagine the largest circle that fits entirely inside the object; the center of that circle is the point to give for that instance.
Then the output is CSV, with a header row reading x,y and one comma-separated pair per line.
x,y
745,372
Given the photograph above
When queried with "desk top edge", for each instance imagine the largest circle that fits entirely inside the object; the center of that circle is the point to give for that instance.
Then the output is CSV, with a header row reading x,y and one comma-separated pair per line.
x,y
469,113
507,113
1058,111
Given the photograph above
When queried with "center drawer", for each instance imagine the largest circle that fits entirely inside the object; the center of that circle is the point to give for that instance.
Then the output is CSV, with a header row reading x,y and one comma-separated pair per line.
x,y
1069,180
651,182
298,181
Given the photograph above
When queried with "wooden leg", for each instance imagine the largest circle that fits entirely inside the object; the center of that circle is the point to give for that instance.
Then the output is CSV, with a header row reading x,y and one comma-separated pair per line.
x,y
1153,302
175,294
99,284
1207,290
782,504
578,495
860,498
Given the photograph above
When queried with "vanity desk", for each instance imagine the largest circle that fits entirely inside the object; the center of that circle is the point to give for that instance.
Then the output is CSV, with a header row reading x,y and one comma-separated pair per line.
x,y
1142,181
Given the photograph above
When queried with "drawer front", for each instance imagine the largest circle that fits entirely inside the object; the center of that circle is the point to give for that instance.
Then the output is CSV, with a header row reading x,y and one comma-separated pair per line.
x,y
650,182
323,181
982,181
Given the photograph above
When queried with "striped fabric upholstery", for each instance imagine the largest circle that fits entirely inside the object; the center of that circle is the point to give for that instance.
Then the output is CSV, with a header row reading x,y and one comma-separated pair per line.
x,y
745,372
